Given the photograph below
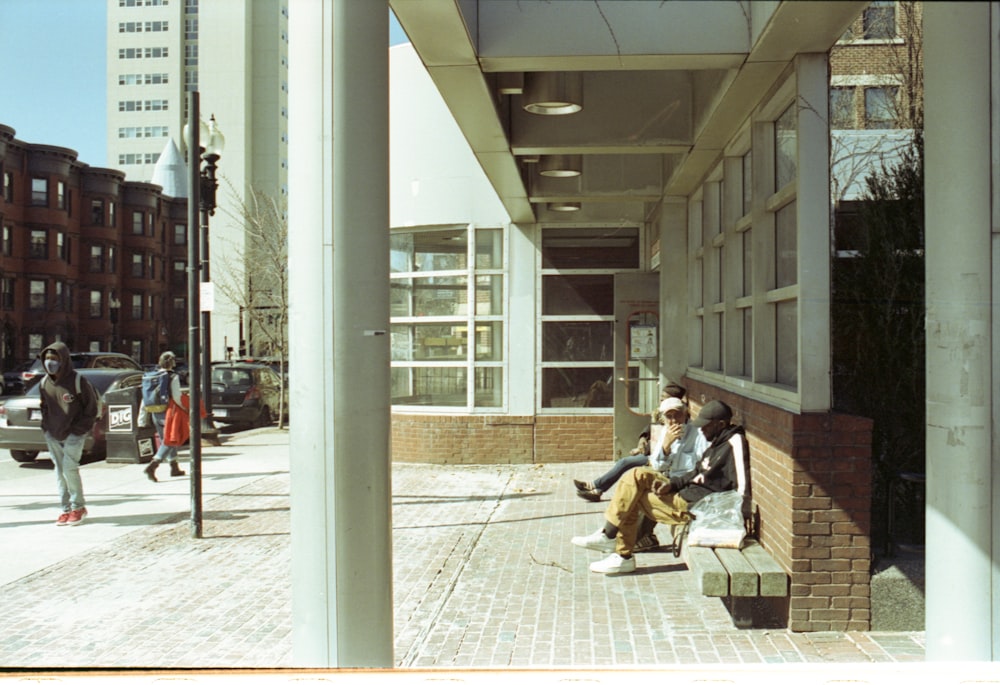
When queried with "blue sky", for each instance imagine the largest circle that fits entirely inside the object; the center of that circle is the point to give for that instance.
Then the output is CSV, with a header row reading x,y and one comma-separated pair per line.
x,y
54,73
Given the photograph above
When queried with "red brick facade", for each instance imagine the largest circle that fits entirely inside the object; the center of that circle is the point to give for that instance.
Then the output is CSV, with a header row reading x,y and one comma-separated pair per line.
x,y
86,230
436,439
811,481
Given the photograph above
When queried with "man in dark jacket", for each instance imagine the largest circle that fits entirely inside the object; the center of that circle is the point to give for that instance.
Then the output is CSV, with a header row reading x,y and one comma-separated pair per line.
x,y
69,410
723,466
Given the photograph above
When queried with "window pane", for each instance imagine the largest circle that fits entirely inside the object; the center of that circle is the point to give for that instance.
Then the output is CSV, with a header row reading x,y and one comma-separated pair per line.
x,y
785,246
584,294
785,147
39,191
489,295
39,248
433,296
443,387
747,315
747,244
428,341
489,341
489,248
577,341
787,350
880,107
489,387
36,299
879,20
429,251
842,107
577,387
747,182
590,248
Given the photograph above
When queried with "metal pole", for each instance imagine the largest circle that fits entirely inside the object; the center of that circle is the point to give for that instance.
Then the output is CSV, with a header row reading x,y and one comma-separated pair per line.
x,y
207,202
194,307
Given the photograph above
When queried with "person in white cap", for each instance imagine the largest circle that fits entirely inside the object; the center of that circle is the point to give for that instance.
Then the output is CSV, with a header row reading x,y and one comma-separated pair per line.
x,y
666,499
674,451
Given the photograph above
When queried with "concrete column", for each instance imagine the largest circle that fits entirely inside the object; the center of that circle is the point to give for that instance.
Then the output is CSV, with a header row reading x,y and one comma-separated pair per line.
x,y
813,221
339,292
959,596
675,319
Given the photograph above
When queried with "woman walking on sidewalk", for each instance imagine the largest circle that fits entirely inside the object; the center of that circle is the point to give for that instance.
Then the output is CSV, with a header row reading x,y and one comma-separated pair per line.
x,y
159,388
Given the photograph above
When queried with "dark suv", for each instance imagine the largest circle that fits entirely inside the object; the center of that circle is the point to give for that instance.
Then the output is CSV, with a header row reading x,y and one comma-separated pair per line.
x,y
83,360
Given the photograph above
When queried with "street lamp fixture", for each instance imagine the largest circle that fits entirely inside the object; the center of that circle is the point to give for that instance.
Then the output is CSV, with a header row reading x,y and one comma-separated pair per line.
x,y
211,143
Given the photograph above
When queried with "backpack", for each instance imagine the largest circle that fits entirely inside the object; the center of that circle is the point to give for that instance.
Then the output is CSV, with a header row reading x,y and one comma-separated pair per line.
x,y
156,391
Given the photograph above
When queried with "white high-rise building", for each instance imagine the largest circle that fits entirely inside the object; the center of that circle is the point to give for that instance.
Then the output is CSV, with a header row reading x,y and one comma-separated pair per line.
x,y
235,53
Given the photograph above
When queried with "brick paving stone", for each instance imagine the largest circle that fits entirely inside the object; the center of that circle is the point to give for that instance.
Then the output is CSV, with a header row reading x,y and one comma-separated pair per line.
x,y
484,576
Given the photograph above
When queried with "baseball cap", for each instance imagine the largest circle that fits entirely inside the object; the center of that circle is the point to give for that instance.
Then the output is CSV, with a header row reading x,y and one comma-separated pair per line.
x,y
713,411
670,404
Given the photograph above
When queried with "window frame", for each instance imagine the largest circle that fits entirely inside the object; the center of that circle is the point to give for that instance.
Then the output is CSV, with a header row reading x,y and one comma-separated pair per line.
x,y
546,367
476,369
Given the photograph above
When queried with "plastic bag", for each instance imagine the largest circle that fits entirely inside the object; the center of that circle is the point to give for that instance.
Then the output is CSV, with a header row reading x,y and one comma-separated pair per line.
x,y
718,521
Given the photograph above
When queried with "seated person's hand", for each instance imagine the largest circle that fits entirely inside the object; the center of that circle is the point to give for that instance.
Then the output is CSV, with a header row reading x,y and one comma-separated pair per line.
x,y
661,488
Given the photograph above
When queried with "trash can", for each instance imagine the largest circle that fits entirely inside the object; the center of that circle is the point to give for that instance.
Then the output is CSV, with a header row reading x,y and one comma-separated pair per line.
x,y
127,442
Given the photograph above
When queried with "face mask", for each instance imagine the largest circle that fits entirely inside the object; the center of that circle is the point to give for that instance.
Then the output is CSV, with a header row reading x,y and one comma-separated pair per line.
x,y
52,366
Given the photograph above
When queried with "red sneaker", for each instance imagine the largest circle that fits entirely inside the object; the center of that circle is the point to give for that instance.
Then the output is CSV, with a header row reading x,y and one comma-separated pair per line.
x,y
63,519
76,516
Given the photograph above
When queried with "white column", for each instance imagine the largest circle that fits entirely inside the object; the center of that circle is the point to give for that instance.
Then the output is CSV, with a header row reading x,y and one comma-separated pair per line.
x,y
813,222
339,292
959,596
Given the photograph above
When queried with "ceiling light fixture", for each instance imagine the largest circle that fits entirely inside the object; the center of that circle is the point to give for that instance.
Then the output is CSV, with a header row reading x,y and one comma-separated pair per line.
x,y
564,206
561,166
553,92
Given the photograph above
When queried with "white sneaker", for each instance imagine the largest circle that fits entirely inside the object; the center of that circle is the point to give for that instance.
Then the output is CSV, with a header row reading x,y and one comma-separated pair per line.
x,y
599,542
614,564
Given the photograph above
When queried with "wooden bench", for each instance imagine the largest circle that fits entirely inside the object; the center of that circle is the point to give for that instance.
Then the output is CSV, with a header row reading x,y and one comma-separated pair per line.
x,y
740,576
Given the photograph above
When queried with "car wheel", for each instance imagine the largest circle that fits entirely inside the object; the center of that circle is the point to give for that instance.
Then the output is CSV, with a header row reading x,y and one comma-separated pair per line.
x,y
24,456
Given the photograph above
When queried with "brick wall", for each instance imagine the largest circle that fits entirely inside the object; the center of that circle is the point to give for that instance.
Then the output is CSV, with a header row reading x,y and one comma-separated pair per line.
x,y
433,439
811,481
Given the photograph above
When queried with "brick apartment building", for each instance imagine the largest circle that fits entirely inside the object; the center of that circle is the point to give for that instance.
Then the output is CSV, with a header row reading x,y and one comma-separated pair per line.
x,y
87,258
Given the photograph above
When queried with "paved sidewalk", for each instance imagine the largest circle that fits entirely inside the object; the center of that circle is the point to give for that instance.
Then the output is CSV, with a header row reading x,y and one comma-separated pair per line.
x,y
484,577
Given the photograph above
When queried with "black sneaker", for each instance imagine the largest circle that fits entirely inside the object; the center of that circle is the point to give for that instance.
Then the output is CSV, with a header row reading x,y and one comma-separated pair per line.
x,y
593,495
645,543
581,485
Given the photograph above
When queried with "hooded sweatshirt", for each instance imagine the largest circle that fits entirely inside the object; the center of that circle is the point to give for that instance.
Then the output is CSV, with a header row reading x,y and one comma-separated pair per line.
x,y
725,465
64,410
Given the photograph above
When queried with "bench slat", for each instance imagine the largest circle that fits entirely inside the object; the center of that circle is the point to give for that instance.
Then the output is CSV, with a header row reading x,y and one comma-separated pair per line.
x,y
713,579
742,574
773,579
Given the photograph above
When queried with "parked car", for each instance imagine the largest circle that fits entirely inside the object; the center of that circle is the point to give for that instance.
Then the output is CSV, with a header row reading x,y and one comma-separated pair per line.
x,y
13,384
245,393
83,360
21,416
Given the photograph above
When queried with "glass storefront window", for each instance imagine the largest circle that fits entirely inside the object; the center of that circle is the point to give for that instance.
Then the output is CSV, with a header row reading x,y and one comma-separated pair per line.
x,y
569,387
785,148
785,246
444,250
574,341
611,247
435,359
587,294
430,386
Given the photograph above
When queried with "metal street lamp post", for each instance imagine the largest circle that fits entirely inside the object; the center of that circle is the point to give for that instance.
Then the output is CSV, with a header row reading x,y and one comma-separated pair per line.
x,y
211,144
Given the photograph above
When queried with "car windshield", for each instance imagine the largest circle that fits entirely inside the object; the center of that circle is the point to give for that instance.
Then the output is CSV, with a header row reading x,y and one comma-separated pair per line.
x,y
232,377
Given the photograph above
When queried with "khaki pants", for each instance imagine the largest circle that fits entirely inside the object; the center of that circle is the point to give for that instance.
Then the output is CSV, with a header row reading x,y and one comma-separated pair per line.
x,y
634,496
